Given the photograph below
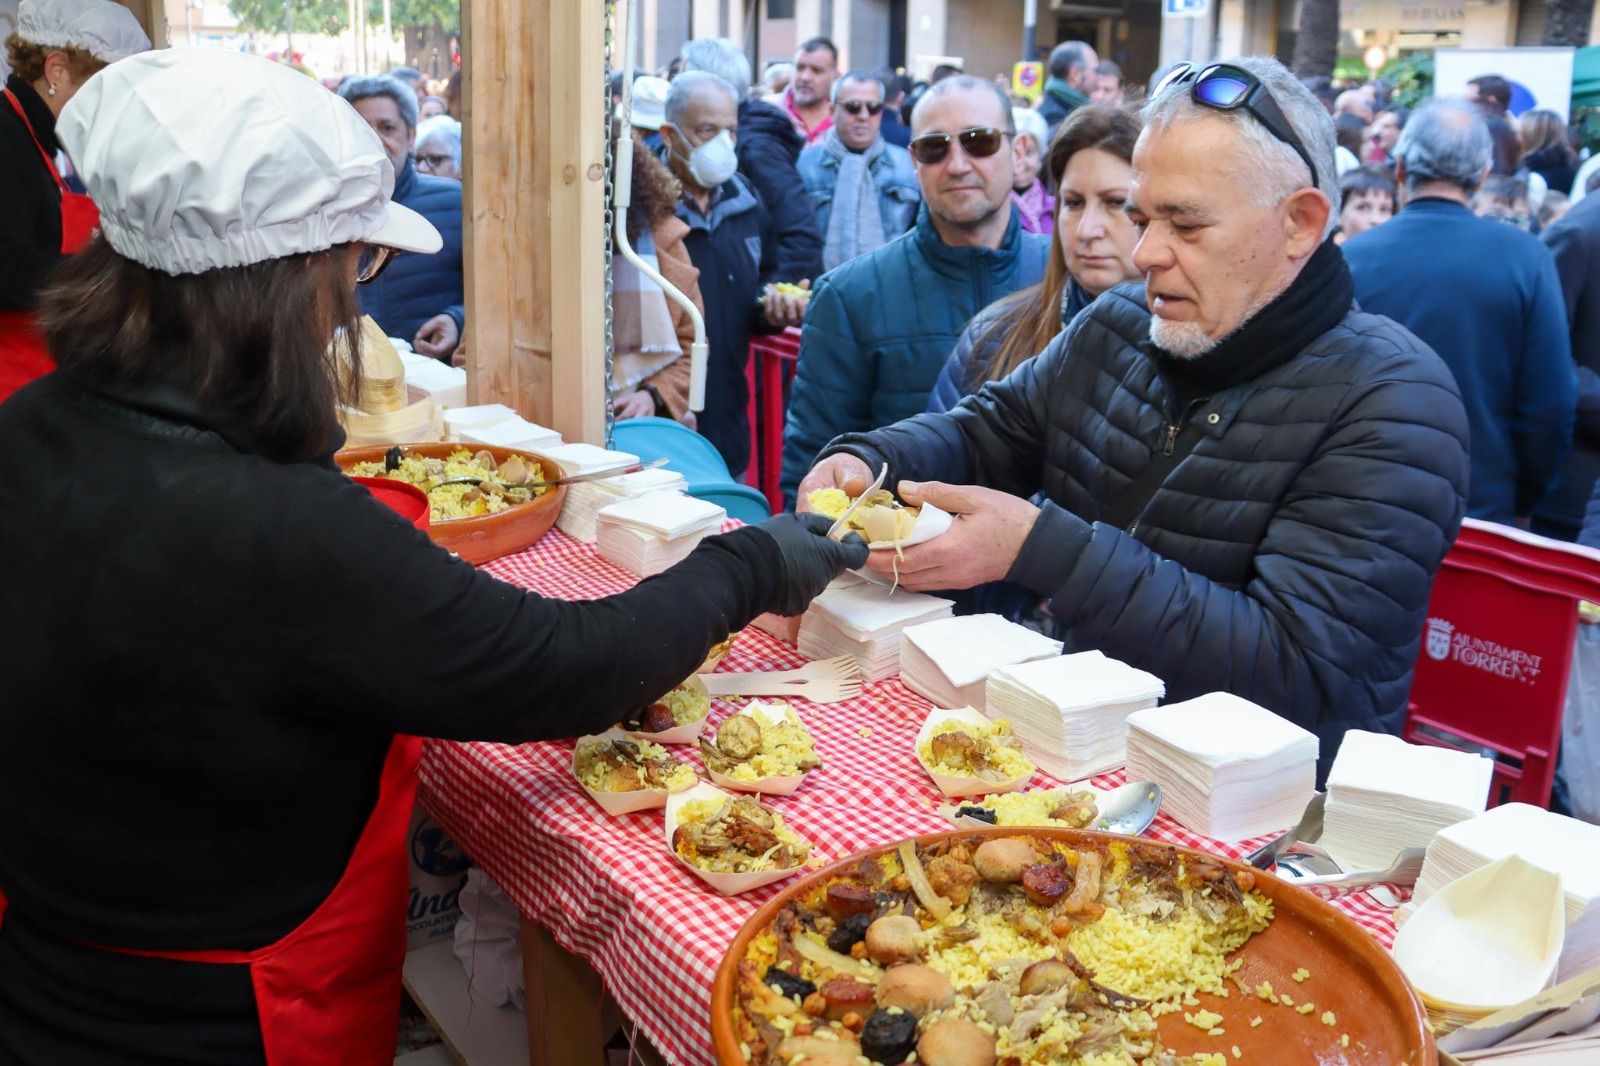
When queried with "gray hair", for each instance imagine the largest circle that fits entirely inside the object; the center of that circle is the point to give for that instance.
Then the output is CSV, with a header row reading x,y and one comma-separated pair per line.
x,y
1277,167
1068,57
956,83
367,86
719,56
1445,140
1029,123
683,88
861,77
443,131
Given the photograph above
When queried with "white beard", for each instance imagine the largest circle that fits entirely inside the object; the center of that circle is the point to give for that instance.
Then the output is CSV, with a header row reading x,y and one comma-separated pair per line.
x,y
1182,340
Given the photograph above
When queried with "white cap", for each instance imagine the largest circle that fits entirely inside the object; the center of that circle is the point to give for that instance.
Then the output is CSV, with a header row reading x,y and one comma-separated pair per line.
x,y
649,106
105,30
201,159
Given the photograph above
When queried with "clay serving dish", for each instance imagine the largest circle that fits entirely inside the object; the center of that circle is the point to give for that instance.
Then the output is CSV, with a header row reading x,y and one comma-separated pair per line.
x,y
478,540
1350,975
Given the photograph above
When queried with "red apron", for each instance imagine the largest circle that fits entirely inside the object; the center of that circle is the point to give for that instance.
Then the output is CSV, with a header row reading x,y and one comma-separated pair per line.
x,y
23,355
328,994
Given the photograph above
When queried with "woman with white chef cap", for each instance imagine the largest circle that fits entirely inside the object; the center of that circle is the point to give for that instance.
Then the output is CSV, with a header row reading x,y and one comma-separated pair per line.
x,y
57,46
217,651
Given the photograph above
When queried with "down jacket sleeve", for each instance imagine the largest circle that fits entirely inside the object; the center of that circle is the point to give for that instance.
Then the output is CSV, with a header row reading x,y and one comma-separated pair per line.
x,y
772,171
833,384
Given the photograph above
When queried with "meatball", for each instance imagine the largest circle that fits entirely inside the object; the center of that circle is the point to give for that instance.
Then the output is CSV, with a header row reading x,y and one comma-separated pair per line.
x,y
955,1042
916,989
1002,861
893,939
739,737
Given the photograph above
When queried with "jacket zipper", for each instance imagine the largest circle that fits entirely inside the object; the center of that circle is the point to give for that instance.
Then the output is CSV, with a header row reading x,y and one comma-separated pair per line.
x,y
1170,440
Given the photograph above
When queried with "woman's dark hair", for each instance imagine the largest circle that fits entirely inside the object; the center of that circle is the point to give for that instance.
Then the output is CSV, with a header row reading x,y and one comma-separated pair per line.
x,y
655,191
250,342
1366,179
1541,129
26,59
1029,318
1349,132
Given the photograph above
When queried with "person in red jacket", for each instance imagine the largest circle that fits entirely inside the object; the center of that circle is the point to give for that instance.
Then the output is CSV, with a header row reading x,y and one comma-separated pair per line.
x,y
58,45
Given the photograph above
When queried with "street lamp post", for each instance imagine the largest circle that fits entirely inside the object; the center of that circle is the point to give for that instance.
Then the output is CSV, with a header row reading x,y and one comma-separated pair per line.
x,y
1030,19
288,33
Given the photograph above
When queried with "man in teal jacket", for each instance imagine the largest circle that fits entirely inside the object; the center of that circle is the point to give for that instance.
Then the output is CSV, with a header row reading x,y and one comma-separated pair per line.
x,y
880,327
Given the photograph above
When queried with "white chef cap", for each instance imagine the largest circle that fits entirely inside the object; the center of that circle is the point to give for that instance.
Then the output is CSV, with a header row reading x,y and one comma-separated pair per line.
x,y
201,159
105,30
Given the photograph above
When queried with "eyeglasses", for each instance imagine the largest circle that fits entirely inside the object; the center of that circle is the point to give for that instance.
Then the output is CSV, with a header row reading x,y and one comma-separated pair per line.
x,y
432,160
374,259
980,142
1227,88
855,107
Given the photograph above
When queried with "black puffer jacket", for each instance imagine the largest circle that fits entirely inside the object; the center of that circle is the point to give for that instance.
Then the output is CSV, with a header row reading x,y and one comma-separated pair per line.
x,y
1287,559
769,147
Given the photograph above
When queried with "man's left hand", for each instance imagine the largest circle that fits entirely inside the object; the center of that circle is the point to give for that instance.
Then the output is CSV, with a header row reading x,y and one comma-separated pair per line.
x,y
437,337
980,546
785,310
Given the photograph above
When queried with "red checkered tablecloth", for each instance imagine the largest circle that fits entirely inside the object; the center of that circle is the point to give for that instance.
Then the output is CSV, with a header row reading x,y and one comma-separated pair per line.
x,y
609,890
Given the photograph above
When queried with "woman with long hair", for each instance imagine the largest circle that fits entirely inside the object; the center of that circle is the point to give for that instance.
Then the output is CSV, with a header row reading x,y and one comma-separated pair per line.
x,y
1547,149
219,651
1090,164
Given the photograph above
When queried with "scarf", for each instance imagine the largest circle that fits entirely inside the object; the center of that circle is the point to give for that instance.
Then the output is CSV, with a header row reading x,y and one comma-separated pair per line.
x,y
1314,303
645,339
855,225
1064,93
1037,208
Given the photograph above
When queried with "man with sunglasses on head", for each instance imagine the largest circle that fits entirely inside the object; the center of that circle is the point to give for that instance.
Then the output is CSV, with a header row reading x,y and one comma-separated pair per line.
x,y
880,328
1248,483
864,188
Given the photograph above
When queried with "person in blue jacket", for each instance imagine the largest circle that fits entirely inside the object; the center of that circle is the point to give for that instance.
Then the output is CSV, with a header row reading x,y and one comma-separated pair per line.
x,y
879,328
419,298
1482,294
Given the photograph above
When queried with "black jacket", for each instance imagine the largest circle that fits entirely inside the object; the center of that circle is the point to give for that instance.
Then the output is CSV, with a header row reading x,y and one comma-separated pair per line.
x,y
30,202
1575,241
1556,166
1287,559
205,656
769,147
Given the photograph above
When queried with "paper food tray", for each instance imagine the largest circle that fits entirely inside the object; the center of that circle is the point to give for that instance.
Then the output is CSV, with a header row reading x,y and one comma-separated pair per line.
x,y
782,784
615,803
687,733
726,884
957,786
947,811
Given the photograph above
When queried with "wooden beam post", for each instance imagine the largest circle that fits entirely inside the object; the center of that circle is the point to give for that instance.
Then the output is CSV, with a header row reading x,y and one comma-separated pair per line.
x,y
534,203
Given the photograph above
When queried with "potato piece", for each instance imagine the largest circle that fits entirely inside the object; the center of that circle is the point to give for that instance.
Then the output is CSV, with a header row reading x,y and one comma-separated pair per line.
x,y
893,939
820,1051
955,1042
915,989
1002,861
1046,976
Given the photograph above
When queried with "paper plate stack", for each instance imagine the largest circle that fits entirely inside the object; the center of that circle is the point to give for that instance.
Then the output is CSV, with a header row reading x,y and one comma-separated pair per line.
x,y
578,459
586,499
949,660
1071,711
1385,795
1553,842
865,621
647,534
1227,768
498,426
426,376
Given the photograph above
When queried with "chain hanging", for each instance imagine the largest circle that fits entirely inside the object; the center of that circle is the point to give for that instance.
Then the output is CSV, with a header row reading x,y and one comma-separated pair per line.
x,y
608,185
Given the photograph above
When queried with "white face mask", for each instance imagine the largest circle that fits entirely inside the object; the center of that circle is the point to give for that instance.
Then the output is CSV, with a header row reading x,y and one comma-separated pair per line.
x,y
714,162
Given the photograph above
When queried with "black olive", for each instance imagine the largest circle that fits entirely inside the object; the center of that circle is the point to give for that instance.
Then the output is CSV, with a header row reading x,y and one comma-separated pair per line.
x,y
788,984
850,931
889,1038
392,457
982,814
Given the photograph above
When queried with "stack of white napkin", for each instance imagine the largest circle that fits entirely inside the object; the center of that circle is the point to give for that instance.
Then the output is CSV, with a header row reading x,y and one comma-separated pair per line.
x,y
457,419
949,660
442,383
1553,842
586,499
647,534
1071,711
1228,769
864,620
576,459
1385,795
498,426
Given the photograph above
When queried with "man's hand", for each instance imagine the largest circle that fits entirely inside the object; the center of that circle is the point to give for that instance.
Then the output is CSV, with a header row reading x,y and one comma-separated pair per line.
x,y
980,547
438,337
786,309
835,472
459,356
635,404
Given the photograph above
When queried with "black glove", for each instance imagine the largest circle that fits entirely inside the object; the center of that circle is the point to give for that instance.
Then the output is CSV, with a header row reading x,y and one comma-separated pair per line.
x,y
810,559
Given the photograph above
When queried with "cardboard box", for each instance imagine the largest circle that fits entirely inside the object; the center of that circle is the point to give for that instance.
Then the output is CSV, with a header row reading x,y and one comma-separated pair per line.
x,y
438,871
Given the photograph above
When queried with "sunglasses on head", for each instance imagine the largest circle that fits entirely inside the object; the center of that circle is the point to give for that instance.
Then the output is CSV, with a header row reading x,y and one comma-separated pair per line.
x,y
1229,88
980,142
855,107
373,260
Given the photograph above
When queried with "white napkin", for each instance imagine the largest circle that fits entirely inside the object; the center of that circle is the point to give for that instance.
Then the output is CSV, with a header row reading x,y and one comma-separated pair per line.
x,y
445,385
514,432
1071,711
668,515
582,458
584,500
1228,769
948,660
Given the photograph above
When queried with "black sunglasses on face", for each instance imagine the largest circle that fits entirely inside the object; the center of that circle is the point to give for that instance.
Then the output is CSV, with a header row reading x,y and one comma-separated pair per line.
x,y
855,107
980,142
374,259
1228,88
